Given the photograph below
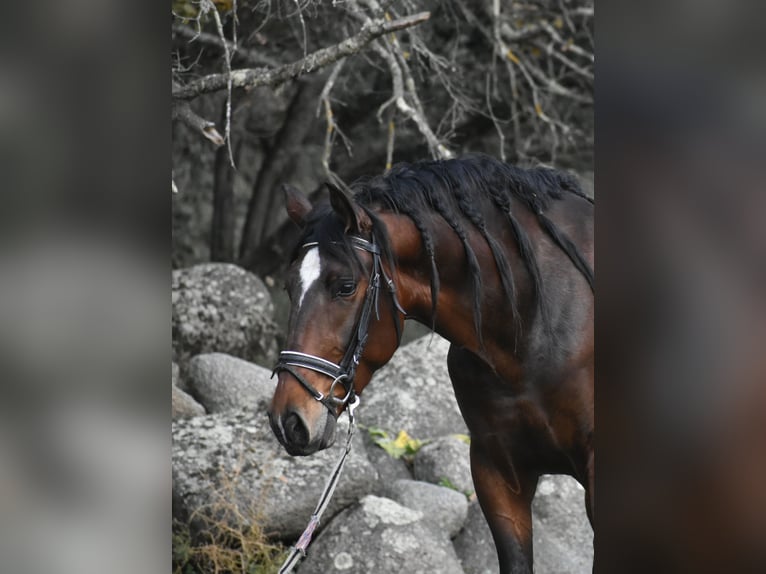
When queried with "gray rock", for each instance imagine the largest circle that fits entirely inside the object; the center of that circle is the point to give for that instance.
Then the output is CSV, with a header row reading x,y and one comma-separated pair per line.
x,y
222,383
474,545
221,307
183,405
413,392
445,508
230,464
445,461
389,469
382,537
562,536
175,375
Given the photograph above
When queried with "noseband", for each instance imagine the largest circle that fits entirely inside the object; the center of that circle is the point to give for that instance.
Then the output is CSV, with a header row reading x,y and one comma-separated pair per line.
x,y
343,374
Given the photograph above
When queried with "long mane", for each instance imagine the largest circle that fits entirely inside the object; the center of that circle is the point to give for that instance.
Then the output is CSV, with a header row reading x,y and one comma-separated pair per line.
x,y
457,190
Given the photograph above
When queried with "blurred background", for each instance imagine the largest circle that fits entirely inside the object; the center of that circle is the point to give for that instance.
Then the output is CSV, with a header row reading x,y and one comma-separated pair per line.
x,y
85,132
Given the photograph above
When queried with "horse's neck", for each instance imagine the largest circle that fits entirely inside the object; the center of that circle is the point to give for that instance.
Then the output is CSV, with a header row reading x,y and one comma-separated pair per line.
x,y
454,318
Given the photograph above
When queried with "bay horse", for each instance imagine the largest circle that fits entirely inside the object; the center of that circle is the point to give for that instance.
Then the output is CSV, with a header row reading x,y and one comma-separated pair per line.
x,y
496,259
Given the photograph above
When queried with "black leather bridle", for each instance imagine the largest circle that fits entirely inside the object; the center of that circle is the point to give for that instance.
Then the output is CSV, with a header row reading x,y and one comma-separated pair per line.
x,y
343,374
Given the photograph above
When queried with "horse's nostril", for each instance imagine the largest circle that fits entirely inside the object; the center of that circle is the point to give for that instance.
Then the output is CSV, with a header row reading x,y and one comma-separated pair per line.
x,y
296,432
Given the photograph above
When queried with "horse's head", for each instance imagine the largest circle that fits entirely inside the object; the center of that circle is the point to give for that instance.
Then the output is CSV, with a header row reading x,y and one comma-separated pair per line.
x,y
344,321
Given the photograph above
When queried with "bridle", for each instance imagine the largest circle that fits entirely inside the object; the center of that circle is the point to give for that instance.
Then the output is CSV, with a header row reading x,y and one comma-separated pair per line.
x,y
343,374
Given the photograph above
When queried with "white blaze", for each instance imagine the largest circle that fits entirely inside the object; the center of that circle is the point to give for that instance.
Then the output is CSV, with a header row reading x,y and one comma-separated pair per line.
x,y
310,269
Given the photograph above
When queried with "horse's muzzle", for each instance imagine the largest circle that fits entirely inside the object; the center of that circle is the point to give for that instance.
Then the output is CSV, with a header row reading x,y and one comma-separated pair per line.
x,y
298,437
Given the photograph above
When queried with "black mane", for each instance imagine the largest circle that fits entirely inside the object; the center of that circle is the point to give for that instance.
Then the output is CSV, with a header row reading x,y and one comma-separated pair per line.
x,y
455,190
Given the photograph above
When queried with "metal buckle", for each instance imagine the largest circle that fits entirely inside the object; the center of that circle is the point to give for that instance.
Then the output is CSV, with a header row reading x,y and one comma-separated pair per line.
x,y
351,407
331,394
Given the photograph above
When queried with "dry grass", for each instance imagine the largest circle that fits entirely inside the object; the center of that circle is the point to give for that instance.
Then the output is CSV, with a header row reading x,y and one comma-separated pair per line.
x,y
222,537
223,548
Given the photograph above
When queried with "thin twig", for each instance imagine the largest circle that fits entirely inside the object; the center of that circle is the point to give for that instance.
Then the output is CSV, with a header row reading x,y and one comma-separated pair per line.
x,y
571,47
207,5
587,74
499,129
324,99
303,27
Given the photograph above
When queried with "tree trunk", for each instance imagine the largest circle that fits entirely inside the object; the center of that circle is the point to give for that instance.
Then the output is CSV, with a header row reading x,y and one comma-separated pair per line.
x,y
299,119
222,225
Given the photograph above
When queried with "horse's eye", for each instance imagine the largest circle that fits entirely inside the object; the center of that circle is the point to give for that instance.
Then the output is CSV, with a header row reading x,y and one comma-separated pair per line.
x,y
346,288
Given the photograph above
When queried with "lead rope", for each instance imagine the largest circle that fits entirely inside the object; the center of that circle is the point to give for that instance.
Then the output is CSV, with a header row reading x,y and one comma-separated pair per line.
x,y
298,552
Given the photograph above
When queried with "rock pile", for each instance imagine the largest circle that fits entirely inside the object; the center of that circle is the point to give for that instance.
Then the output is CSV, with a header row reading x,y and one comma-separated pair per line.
x,y
410,514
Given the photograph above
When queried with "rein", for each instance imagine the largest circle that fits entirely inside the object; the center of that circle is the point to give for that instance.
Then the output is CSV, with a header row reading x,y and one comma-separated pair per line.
x,y
298,552
341,374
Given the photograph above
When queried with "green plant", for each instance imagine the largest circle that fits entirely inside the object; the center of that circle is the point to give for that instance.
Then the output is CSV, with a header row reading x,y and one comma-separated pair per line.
x,y
447,483
463,437
401,446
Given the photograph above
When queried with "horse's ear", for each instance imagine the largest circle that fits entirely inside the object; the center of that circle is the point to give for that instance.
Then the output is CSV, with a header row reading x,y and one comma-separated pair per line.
x,y
354,216
297,205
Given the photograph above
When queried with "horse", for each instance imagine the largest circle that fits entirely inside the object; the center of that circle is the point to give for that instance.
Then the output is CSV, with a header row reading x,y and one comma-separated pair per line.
x,y
495,258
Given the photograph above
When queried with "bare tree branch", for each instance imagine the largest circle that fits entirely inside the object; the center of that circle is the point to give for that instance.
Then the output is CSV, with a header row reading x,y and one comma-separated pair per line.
x,y
254,77
511,78
332,127
182,111
571,47
208,6
500,134
585,73
405,94
390,144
